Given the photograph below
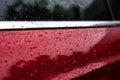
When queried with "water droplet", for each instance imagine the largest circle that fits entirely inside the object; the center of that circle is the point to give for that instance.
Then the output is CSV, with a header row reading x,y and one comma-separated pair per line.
x,y
2,44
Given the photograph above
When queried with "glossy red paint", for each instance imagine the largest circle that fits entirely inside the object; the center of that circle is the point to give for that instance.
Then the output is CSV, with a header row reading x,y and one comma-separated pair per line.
x,y
47,54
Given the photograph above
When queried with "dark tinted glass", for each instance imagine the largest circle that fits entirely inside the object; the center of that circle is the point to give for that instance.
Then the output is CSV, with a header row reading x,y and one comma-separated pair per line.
x,y
115,7
55,10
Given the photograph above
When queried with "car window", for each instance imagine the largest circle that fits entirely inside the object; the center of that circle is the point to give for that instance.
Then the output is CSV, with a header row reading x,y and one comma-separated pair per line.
x,y
54,10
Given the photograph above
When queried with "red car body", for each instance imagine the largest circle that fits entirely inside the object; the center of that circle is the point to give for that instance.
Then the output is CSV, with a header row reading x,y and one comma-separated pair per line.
x,y
57,54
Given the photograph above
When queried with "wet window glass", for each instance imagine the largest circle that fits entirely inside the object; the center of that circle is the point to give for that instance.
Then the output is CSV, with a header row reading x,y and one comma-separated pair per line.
x,y
115,8
57,10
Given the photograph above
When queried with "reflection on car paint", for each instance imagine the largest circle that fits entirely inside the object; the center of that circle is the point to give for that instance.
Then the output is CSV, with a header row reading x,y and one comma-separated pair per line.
x,y
46,54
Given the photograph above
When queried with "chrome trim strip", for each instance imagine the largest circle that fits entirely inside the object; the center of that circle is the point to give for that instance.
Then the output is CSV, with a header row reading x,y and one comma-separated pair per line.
x,y
55,24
